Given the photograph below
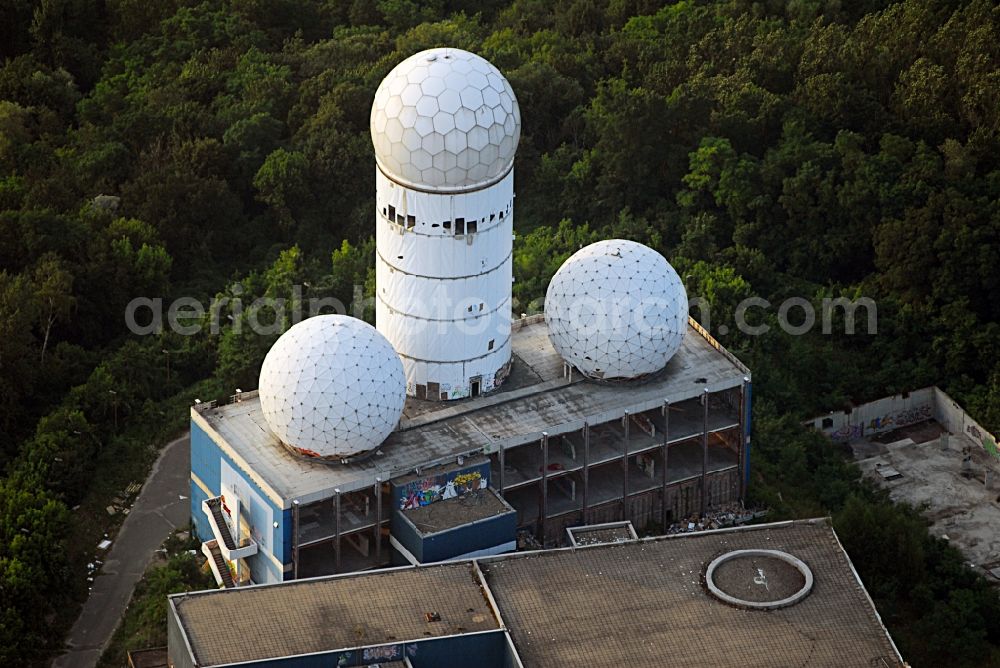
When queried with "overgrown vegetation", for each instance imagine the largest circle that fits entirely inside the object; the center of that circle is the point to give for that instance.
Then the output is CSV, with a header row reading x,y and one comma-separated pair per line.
x,y
806,148
144,624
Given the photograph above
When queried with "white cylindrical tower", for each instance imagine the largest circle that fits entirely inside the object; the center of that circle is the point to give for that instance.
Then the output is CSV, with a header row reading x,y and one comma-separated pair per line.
x,y
445,125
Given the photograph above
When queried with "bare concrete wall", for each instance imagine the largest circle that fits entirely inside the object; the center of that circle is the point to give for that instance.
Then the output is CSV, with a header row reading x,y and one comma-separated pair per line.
x,y
954,418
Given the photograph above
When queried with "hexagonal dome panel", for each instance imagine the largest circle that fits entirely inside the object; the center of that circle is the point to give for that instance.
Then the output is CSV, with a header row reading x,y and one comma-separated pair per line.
x,y
457,95
616,309
332,386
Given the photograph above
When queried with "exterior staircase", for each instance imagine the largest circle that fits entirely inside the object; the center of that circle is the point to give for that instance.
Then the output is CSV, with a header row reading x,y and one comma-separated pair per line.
x,y
220,569
224,547
229,547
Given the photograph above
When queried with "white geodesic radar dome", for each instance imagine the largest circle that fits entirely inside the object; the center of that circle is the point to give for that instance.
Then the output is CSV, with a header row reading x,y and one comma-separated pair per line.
x,y
332,386
616,309
443,120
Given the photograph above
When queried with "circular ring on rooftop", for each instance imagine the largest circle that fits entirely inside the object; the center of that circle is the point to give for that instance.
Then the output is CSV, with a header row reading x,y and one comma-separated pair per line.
x,y
766,599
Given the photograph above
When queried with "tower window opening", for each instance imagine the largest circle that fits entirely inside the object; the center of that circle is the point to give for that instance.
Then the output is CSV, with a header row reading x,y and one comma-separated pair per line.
x,y
460,226
399,219
489,346
501,215
392,212
493,217
446,224
411,222
473,226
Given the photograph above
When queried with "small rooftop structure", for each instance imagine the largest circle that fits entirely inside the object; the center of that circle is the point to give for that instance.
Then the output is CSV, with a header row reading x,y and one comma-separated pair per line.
x,y
637,603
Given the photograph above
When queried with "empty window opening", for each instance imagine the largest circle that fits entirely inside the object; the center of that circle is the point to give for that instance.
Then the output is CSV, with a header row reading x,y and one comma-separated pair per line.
x,y
411,222
392,212
475,387
490,346
481,306
435,225
446,224
501,215
470,308
473,226
827,423
383,210
460,226
493,217
399,219
399,257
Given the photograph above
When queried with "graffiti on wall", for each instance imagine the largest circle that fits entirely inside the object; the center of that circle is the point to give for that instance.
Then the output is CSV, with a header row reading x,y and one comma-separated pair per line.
x,y
443,486
988,442
847,432
901,419
383,653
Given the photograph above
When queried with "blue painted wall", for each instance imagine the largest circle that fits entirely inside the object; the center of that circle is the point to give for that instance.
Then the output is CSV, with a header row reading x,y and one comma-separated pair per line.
x,y
206,463
483,650
455,542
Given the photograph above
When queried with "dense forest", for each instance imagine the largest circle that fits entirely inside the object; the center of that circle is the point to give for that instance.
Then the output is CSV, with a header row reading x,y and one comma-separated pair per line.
x,y
220,149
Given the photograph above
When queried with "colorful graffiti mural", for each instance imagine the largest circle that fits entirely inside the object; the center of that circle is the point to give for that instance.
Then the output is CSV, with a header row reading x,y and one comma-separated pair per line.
x,y
442,486
901,419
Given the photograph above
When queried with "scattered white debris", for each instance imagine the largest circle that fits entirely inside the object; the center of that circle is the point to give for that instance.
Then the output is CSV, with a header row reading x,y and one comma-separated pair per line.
x,y
104,544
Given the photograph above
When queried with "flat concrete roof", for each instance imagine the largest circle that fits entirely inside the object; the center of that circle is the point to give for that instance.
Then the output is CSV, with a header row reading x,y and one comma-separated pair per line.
x,y
644,603
536,398
641,603
959,498
339,612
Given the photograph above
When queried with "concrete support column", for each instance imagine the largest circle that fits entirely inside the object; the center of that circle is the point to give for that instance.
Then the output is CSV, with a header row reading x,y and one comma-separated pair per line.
x,y
586,469
625,506
744,436
704,454
378,521
336,539
295,539
666,451
501,462
545,485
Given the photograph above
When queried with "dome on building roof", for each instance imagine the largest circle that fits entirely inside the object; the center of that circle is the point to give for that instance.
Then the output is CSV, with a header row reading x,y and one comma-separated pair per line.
x,y
332,386
616,309
445,120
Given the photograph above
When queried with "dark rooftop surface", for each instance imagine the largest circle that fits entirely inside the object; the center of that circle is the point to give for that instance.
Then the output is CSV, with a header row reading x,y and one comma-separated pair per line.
x,y
644,604
333,613
641,603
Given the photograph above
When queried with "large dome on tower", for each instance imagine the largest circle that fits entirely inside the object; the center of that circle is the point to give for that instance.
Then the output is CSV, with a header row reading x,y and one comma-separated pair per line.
x,y
445,120
616,309
331,387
